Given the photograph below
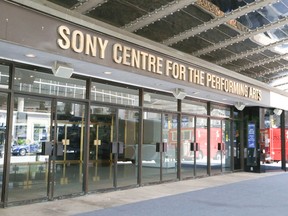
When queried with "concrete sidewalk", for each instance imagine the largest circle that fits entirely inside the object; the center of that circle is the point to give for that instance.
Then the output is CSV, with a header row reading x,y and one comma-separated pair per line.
x,y
218,195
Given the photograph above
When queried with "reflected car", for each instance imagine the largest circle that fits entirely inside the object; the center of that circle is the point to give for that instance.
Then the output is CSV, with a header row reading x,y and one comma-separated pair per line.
x,y
24,149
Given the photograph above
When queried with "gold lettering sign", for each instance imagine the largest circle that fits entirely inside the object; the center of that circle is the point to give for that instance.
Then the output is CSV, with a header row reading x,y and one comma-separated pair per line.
x,y
94,46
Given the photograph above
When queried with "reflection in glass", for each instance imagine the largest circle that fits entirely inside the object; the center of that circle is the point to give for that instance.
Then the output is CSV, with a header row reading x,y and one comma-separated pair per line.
x,y
4,76
70,126
194,107
43,83
157,101
220,111
114,94
29,170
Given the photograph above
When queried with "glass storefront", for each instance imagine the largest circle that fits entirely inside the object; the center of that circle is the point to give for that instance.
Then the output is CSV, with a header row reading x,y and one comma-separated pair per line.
x,y
62,147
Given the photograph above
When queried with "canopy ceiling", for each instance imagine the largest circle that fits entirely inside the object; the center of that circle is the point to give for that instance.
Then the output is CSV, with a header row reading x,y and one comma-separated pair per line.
x,y
246,36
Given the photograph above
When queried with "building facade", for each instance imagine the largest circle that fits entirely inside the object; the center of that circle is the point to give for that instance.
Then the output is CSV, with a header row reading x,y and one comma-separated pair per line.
x,y
86,108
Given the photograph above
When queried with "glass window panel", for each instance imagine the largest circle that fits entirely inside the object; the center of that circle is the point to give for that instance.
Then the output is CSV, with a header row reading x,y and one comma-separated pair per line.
x,y
158,101
29,170
236,114
253,20
4,76
194,107
278,33
43,83
281,8
286,135
270,135
3,119
114,94
269,13
220,111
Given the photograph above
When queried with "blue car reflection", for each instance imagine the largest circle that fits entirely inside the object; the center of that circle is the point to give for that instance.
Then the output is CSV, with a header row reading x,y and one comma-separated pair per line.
x,y
24,149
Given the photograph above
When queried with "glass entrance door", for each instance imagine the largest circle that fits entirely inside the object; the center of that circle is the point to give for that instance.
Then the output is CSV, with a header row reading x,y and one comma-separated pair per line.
x,y
127,155
220,146
102,129
237,147
68,141
169,147
28,177
37,175
201,152
159,147
193,146
113,147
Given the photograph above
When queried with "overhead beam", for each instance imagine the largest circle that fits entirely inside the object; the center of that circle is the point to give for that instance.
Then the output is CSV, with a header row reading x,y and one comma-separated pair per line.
x,y
250,52
242,37
262,62
88,5
217,21
275,70
157,14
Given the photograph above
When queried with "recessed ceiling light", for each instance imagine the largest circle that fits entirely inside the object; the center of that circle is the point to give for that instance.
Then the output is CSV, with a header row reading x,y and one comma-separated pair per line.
x,y
107,72
30,55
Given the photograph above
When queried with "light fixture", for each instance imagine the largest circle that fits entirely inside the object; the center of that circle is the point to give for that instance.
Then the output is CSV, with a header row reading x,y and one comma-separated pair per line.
x,y
30,55
179,93
239,106
277,111
62,69
107,72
